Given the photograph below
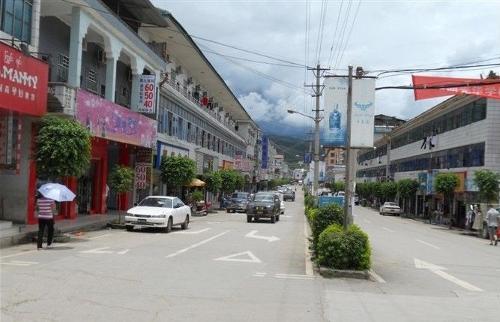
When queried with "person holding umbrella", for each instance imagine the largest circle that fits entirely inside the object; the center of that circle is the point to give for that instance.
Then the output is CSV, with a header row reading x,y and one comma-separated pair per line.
x,y
46,207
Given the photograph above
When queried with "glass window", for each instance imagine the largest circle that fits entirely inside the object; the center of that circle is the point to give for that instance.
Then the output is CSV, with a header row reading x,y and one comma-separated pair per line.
x,y
170,128
16,18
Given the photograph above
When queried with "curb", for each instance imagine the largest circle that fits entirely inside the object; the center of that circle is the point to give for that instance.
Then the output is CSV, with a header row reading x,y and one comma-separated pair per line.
x,y
332,273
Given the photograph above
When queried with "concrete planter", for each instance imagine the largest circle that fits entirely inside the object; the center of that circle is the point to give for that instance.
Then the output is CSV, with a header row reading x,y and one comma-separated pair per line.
x,y
332,273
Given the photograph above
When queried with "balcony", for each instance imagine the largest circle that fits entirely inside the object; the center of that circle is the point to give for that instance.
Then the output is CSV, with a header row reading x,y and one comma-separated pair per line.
x,y
210,114
61,99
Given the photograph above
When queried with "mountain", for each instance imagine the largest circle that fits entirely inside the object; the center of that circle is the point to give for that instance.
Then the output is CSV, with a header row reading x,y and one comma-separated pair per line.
x,y
292,147
283,130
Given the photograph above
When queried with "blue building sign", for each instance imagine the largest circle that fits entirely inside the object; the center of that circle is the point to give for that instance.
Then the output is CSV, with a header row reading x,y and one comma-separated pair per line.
x,y
265,152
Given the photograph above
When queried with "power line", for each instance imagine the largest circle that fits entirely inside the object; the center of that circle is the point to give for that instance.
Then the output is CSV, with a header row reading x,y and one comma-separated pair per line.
x,y
251,60
335,33
342,34
420,70
450,85
322,28
350,32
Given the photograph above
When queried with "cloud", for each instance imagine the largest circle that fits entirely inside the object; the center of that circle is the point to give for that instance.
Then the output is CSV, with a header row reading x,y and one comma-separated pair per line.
x,y
385,35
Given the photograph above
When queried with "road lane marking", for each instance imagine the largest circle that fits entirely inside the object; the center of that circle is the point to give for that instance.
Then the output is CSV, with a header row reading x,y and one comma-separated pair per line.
x,y
249,258
123,252
100,250
286,216
96,237
19,263
294,276
377,278
18,254
427,244
253,234
388,229
307,255
194,232
196,245
440,271
260,274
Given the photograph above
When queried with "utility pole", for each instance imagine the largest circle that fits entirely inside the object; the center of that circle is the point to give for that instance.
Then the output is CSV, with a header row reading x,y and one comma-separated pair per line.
x,y
348,175
317,88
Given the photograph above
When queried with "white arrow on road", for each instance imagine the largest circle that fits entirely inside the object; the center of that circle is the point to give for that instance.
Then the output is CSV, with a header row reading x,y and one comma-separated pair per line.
x,y
253,234
439,271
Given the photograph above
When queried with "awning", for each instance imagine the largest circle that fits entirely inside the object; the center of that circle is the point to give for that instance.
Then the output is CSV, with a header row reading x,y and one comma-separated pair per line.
x,y
196,183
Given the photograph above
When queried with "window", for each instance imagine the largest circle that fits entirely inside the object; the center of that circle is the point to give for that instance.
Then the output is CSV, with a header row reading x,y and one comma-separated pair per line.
x,y
170,128
92,81
16,18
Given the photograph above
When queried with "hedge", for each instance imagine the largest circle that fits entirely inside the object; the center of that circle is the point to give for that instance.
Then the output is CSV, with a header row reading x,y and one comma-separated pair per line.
x,y
326,216
341,249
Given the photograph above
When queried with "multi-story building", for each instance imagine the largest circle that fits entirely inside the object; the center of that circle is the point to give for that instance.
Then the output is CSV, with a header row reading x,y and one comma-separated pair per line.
x,y
459,135
384,124
23,100
104,55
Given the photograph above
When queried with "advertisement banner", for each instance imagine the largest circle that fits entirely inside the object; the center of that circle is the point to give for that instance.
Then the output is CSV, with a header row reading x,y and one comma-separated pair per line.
x,y
334,128
425,87
147,94
111,121
23,82
363,111
142,172
265,152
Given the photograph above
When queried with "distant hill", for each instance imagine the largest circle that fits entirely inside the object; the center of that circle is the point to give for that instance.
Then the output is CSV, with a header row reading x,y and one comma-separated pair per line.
x,y
290,147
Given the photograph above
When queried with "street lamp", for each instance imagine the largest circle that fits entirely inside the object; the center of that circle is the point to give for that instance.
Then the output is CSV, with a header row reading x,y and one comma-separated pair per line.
x,y
316,120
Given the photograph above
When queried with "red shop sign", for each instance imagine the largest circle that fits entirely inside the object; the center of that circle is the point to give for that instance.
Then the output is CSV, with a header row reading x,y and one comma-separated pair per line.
x,y
23,82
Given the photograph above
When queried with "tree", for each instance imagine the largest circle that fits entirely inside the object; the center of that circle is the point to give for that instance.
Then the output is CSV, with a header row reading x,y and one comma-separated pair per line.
x,y
121,180
63,148
487,182
177,171
389,190
337,186
213,181
446,183
230,180
407,188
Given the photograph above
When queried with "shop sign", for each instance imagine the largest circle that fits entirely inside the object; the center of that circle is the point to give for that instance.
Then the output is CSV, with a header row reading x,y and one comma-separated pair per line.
x,y
265,152
461,181
142,172
167,150
23,82
111,121
228,165
147,94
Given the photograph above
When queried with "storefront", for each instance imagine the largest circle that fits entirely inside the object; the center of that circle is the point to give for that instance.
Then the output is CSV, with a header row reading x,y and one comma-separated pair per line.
x,y
23,100
119,137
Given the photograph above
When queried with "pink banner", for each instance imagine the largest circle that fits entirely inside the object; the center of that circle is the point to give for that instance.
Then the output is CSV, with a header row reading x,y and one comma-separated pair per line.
x,y
433,86
111,121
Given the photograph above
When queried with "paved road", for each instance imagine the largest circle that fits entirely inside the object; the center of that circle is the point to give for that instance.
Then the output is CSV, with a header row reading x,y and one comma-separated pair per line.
x,y
214,272
425,272
211,272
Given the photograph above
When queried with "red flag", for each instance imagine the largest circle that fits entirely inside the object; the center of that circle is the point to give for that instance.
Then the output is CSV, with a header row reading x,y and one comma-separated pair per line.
x,y
431,86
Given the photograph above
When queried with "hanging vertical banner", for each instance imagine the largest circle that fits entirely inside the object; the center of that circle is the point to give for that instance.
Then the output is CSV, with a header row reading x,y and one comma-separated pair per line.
x,y
363,111
333,132
147,94
265,152
334,129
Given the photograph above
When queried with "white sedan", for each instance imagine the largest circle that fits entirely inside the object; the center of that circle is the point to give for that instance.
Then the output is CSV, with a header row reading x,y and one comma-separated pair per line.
x,y
390,208
160,212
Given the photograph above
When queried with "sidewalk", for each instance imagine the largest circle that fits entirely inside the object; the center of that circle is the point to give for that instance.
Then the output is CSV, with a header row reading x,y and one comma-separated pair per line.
x,y
19,234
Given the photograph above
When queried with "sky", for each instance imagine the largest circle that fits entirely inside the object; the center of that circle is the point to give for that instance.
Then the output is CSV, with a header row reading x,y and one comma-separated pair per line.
x,y
377,35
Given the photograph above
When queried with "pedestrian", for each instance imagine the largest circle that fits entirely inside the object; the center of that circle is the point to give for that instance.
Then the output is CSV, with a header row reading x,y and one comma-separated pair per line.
x,y
492,218
46,209
478,219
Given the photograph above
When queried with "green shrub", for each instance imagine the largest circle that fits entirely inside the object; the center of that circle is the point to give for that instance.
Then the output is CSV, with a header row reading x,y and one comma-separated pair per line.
x,y
309,201
326,216
341,249
311,214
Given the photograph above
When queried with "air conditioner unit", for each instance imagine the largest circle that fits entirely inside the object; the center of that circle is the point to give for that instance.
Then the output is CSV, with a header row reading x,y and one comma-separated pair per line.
x,y
178,69
190,80
197,88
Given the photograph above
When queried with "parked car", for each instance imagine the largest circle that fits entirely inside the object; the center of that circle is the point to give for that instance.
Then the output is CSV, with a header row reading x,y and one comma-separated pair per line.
x,y
264,205
391,208
289,195
356,199
158,212
238,202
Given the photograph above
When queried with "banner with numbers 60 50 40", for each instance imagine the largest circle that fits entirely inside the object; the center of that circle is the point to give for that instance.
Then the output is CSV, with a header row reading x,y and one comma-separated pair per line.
x,y
334,128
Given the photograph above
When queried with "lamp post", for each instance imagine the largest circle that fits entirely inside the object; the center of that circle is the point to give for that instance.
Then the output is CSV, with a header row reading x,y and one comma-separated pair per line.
x,y
316,120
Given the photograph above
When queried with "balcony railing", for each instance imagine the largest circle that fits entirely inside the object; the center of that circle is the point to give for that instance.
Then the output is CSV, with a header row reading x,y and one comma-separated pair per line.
x,y
182,91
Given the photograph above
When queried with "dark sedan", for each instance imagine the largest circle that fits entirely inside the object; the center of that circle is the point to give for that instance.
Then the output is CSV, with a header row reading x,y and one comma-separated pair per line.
x,y
264,205
238,202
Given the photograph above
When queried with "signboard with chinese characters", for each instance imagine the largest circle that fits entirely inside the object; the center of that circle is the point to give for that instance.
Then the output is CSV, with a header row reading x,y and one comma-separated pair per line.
x,y
265,152
23,82
111,121
141,175
334,128
147,94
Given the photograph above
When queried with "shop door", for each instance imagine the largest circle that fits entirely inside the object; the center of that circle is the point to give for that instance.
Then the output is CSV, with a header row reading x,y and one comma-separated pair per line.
x,y
85,190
